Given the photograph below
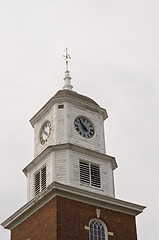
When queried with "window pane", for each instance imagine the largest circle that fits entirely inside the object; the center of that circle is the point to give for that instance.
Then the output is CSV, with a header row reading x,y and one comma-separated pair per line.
x,y
95,225
91,237
103,234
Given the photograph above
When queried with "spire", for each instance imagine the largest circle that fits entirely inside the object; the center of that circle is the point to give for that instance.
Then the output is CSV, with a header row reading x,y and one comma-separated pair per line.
x,y
67,78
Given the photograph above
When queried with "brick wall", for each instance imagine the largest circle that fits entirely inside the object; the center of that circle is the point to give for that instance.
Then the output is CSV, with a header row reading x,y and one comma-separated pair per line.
x,y
41,225
64,219
73,216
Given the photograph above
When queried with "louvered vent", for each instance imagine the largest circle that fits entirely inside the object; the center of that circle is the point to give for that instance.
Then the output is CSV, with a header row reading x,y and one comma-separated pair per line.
x,y
95,176
40,180
43,178
90,174
37,183
84,173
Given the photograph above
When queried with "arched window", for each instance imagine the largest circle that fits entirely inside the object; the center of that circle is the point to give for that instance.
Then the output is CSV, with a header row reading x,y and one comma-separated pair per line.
x,y
97,230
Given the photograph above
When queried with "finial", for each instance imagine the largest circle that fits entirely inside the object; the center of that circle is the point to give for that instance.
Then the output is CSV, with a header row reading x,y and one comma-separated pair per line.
x,y
67,78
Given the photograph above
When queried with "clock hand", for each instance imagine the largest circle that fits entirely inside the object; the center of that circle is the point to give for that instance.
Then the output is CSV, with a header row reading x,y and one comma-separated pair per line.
x,y
83,125
44,132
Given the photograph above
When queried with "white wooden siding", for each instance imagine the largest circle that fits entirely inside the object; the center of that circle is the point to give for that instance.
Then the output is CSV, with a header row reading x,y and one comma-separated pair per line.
x,y
63,167
63,129
60,124
49,116
60,167
97,142
106,173
30,177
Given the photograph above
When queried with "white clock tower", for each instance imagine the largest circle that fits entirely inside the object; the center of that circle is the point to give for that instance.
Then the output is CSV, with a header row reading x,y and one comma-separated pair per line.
x,y
69,144
70,183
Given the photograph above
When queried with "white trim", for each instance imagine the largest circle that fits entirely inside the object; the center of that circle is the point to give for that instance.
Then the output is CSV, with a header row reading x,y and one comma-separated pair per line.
x,y
53,172
73,147
68,166
56,123
57,189
70,99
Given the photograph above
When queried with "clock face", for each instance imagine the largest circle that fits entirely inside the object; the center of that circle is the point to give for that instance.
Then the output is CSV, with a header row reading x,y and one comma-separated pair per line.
x,y
45,132
84,127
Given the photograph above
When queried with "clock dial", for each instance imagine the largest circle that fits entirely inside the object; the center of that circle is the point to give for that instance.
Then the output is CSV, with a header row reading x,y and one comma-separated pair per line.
x,y
84,127
45,132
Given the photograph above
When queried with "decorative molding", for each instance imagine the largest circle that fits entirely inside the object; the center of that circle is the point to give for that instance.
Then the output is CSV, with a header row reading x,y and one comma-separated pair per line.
x,y
98,212
86,228
110,234
57,189
71,99
72,147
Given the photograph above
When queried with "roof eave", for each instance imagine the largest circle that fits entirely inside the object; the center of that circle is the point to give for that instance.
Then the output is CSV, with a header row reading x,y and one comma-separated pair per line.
x,y
58,189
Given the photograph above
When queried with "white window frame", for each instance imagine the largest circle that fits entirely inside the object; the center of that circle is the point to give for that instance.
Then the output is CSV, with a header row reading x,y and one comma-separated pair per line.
x,y
97,234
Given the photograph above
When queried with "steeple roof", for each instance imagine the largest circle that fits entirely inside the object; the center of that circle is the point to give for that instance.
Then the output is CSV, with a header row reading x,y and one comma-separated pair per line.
x,y
69,93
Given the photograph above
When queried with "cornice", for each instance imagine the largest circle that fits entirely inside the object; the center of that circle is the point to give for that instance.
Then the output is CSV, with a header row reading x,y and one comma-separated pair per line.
x,y
57,189
72,147
70,99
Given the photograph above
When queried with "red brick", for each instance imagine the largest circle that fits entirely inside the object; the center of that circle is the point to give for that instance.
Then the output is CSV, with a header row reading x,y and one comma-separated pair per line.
x,y
64,219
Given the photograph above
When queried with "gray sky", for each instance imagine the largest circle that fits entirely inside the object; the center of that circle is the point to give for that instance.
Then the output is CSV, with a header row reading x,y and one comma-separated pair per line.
x,y
115,54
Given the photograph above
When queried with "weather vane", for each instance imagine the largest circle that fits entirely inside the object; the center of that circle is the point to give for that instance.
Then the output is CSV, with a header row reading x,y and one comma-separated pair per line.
x,y
66,58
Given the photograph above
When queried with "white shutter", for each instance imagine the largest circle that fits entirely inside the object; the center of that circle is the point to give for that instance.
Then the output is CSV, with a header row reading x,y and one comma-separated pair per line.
x,y
95,176
84,172
90,174
40,180
43,178
37,183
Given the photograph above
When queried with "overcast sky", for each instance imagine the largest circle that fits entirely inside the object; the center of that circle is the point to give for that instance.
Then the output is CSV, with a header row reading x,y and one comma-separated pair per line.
x,y
114,47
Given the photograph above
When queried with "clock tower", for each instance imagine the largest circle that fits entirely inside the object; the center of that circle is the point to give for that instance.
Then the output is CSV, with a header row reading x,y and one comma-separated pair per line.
x,y
70,183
